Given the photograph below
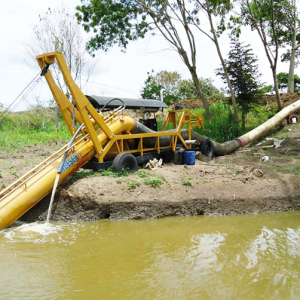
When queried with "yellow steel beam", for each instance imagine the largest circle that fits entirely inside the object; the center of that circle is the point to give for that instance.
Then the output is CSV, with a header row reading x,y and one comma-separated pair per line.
x,y
64,104
83,105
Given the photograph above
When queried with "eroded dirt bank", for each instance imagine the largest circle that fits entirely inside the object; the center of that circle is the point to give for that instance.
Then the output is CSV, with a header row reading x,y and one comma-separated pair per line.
x,y
213,192
232,184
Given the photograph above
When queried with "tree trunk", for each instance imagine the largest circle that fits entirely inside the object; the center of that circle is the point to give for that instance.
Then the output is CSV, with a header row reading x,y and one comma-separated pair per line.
x,y
216,42
236,114
195,78
291,84
243,119
278,98
200,93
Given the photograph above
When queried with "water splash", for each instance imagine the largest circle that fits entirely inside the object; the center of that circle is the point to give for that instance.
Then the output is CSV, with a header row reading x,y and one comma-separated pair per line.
x,y
32,232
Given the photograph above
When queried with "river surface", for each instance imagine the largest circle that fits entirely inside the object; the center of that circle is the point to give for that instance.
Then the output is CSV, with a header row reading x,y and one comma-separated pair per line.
x,y
205,257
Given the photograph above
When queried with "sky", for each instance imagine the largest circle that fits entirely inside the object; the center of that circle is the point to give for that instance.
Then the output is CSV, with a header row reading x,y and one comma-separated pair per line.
x,y
117,74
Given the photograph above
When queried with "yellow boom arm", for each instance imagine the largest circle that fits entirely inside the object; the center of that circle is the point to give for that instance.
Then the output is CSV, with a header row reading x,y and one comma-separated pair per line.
x,y
84,108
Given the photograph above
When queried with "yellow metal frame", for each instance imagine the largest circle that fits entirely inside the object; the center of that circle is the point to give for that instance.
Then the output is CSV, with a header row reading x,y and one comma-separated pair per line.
x,y
95,122
102,136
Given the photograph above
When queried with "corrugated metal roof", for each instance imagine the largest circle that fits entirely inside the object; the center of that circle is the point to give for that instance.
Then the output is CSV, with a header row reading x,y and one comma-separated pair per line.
x,y
130,103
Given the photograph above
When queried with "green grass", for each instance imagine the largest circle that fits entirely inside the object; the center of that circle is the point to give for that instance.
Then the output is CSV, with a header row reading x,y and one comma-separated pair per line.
x,y
142,174
223,128
83,174
187,181
154,181
291,170
133,184
110,173
31,127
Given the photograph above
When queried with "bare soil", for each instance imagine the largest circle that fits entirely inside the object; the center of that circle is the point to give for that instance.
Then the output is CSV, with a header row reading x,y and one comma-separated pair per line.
x,y
231,184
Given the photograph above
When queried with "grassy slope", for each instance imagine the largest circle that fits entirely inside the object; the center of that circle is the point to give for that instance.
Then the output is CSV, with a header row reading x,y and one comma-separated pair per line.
x,y
31,127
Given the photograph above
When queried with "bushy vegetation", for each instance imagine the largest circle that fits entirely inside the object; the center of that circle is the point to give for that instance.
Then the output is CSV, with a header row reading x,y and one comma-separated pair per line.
x,y
283,82
223,128
187,89
168,81
31,127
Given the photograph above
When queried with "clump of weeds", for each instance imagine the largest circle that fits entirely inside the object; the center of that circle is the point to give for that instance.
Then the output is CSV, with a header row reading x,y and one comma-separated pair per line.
x,y
154,181
187,181
142,174
133,184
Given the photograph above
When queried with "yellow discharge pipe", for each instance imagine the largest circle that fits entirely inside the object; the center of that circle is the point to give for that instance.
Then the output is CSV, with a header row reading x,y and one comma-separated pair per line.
x,y
17,203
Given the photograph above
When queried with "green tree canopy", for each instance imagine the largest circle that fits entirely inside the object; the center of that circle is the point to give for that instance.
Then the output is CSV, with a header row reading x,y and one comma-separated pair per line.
x,y
176,88
263,17
244,76
283,81
163,80
187,89
117,22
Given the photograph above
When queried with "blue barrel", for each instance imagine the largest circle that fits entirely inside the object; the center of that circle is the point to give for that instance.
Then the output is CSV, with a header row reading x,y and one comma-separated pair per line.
x,y
189,157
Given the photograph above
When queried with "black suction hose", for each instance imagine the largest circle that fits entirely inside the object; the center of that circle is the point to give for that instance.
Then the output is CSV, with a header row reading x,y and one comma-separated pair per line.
x,y
218,149
104,109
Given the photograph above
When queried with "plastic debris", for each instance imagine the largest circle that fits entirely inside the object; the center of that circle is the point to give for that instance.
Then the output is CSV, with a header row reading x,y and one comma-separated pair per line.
x,y
154,164
265,159
276,143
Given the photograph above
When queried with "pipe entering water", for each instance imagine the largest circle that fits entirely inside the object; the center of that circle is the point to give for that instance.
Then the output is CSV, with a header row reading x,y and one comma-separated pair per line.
x,y
52,197
60,171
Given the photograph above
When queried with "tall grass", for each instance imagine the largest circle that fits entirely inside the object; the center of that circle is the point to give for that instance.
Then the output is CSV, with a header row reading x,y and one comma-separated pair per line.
x,y
223,128
31,127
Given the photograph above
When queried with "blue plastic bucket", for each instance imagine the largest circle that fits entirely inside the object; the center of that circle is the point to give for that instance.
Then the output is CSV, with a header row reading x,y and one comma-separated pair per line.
x,y
189,157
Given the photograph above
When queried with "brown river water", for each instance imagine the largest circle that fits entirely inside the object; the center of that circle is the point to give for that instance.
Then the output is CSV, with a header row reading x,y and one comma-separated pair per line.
x,y
205,257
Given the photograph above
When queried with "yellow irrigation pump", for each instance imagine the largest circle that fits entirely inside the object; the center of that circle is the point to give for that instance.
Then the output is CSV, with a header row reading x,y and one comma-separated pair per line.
x,y
116,143
104,136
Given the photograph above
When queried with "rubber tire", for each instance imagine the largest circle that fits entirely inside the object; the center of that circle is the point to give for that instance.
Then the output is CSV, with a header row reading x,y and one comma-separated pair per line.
x,y
125,161
207,147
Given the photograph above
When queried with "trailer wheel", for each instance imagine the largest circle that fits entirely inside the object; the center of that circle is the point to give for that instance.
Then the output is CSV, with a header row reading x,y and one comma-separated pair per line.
x,y
125,161
207,147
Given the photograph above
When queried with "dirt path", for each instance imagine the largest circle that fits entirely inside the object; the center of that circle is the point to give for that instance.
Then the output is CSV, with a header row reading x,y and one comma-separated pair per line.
x,y
236,183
